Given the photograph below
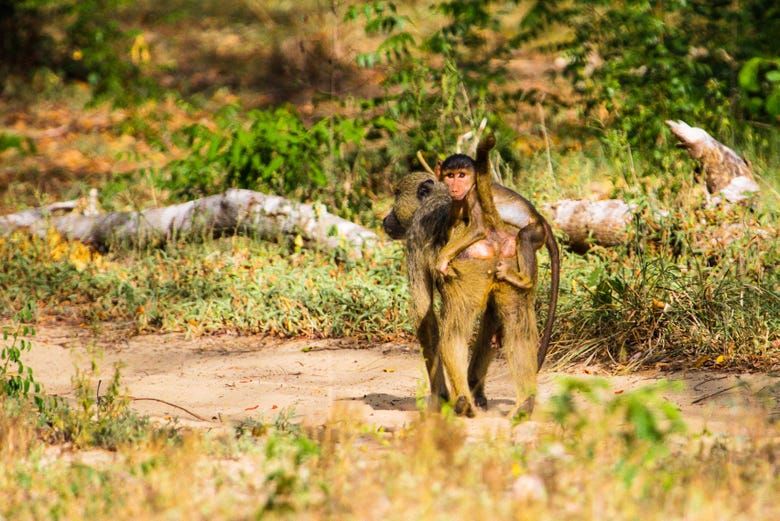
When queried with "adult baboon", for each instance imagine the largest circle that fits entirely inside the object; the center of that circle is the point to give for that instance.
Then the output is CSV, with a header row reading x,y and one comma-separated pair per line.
x,y
421,213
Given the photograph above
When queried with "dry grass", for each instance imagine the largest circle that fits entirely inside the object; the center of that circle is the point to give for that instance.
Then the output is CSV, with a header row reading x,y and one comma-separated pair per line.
x,y
594,455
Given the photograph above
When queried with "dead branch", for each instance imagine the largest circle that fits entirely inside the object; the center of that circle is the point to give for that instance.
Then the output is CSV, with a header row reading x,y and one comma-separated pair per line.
x,y
235,212
725,171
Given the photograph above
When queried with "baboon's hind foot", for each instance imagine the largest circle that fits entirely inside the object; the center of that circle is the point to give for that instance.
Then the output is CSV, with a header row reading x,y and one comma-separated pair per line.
x,y
463,407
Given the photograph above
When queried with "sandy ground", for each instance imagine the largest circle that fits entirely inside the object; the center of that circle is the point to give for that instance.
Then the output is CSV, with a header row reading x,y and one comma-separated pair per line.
x,y
227,378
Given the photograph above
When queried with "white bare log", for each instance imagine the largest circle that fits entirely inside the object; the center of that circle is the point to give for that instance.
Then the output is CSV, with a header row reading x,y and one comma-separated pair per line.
x,y
234,212
727,174
29,217
597,222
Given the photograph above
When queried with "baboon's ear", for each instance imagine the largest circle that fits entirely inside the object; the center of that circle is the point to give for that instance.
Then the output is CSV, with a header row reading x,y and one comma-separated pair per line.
x,y
437,170
424,189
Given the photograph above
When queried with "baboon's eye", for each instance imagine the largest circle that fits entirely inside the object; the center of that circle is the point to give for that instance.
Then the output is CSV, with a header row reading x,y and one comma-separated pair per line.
x,y
424,189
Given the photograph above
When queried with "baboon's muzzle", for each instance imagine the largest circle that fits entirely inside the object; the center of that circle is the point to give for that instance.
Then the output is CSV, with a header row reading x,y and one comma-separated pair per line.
x,y
392,227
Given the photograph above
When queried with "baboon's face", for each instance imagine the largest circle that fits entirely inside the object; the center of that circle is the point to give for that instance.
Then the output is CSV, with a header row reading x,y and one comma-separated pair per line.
x,y
410,192
459,181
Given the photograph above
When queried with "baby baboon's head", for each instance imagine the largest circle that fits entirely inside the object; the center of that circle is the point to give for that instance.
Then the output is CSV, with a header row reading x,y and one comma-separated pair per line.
x,y
410,192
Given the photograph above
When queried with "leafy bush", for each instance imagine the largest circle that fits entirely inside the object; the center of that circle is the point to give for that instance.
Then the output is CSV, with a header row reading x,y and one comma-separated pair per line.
x,y
19,382
634,63
759,79
276,151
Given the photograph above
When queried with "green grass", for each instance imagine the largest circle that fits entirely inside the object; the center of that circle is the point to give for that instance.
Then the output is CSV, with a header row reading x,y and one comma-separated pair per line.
x,y
657,299
225,285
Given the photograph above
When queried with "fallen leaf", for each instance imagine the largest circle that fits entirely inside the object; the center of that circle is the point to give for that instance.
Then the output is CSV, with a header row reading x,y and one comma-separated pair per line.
x,y
252,408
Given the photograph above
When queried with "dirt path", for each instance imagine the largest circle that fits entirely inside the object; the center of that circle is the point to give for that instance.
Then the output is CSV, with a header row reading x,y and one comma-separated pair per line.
x,y
227,378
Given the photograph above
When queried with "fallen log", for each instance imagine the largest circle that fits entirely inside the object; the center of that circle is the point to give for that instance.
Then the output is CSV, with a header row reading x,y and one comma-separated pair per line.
x,y
726,173
587,222
236,211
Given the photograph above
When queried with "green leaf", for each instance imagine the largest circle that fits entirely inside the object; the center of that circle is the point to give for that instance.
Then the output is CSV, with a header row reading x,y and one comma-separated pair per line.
x,y
748,76
773,103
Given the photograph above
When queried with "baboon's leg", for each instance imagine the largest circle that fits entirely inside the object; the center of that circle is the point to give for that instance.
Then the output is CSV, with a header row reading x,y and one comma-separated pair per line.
x,y
463,300
482,354
520,339
421,303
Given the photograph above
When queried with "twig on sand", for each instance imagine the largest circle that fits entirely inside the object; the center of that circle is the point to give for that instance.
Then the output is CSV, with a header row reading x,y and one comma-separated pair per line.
x,y
201,418
697,387
716,393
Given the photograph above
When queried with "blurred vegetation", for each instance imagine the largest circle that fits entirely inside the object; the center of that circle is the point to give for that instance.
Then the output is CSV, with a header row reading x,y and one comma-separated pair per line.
x,y
598,452
73,40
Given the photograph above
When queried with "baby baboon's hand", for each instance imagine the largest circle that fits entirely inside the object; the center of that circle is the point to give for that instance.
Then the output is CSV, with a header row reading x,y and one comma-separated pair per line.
x,y
486,143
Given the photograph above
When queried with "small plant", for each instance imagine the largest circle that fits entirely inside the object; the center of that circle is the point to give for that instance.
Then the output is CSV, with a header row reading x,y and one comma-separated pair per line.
x,y
96,420
16,379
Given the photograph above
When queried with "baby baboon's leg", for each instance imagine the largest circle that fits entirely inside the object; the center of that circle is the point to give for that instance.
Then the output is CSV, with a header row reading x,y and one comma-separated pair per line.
x,y
461,238
530,239
463,300
520,340
482,354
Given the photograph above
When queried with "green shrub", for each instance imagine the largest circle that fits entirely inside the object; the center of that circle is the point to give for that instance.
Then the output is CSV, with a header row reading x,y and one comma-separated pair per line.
x,y
16,379
759,80
277,152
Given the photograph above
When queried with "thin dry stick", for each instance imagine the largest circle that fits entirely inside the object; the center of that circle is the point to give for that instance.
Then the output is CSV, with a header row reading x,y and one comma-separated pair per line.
x,y
716,393
201,418
697,387
424,163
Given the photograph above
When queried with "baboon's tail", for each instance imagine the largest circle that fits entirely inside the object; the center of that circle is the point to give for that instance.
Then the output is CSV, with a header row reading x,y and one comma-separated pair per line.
x,y
555,273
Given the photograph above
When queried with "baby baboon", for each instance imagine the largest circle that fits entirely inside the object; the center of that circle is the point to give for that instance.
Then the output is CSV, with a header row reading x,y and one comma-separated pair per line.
x,y
473,216
421,213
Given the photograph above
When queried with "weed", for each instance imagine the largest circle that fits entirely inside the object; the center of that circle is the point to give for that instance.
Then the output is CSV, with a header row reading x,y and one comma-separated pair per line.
x,y
18,383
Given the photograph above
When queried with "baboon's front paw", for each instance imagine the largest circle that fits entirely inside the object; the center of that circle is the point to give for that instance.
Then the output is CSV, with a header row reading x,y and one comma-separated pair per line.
x,y
463,407
480,400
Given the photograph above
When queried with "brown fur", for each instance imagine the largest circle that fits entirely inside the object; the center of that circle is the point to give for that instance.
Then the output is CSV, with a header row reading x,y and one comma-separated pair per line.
x,y
476,218
421,214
